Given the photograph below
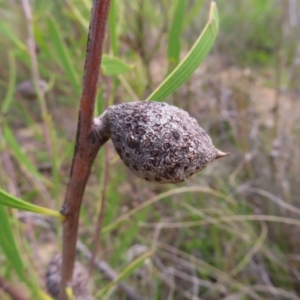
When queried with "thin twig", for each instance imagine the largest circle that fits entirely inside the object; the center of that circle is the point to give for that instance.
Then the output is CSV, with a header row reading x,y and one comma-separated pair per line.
x,y
87,144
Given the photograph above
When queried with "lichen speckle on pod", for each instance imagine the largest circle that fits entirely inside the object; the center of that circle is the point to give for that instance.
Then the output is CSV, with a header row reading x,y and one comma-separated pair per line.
x,y
159,142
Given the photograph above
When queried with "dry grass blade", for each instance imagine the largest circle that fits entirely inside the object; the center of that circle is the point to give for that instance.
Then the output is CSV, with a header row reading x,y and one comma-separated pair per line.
x,y
227,219
205,267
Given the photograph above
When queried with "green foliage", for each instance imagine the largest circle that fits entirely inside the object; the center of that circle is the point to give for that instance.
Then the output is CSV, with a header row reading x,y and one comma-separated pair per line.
x,y
12,36
12,83
13,252
20,155
7,240
174,45
112,23
192,60
253,32
113,66
11,201
64,55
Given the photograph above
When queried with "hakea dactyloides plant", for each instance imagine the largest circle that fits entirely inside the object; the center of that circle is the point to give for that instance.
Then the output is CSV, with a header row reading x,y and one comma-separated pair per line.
x,y
158,142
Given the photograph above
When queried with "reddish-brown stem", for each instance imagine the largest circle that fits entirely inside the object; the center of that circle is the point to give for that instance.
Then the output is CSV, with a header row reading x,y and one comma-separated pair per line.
x,y
87,143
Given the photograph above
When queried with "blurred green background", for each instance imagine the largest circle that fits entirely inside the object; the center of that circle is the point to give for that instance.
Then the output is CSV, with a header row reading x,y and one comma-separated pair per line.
x,y
230,231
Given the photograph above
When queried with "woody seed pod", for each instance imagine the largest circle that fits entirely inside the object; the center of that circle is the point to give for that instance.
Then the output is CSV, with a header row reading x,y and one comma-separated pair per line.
x,y
159,142
80,280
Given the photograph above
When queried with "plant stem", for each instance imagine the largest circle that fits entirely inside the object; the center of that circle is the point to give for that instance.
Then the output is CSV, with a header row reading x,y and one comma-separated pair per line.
x,y
87,142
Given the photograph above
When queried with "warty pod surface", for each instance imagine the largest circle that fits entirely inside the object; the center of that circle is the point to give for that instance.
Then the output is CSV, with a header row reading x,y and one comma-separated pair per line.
x,y
159,142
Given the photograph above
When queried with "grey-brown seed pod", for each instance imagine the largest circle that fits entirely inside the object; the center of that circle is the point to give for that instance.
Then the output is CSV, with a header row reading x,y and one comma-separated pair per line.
x,y
80,281
157,141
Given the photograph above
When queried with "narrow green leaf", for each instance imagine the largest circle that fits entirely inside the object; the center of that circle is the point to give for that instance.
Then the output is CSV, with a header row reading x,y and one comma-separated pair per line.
x,y
8,243
11,250
11,201
192,60
12,83
79,16
112,23
42,295
113,66
20,155
87,4
64,55
9,33
174,45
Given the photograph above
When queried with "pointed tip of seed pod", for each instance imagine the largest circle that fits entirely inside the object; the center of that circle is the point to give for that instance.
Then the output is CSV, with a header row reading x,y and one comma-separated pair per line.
x,y
221,154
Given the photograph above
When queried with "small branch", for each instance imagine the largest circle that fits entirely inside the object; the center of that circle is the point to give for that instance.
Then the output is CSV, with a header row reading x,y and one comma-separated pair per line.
x,y
87,142
13,292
